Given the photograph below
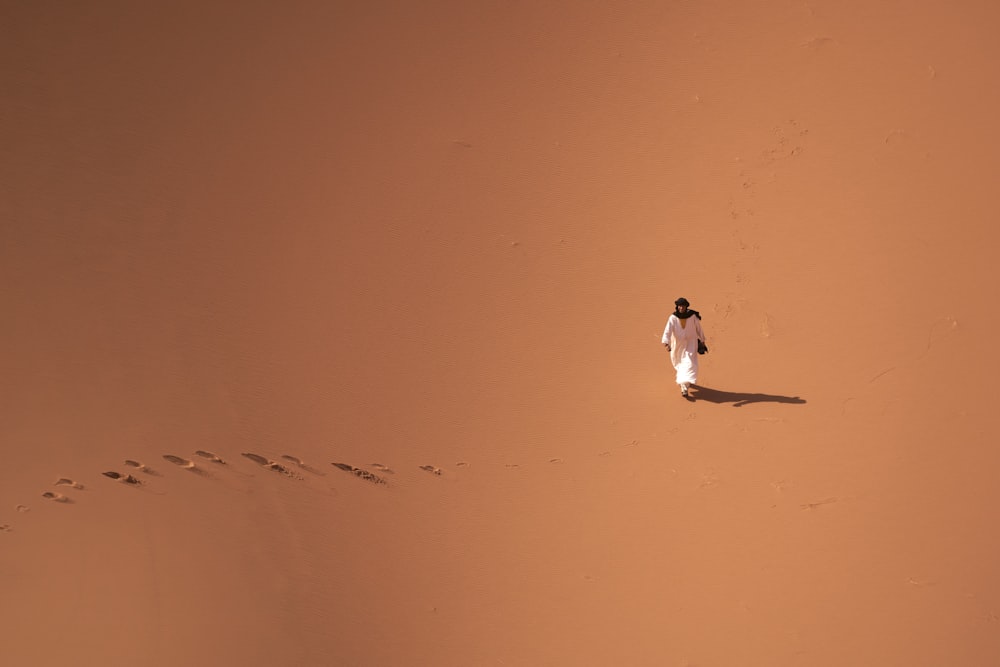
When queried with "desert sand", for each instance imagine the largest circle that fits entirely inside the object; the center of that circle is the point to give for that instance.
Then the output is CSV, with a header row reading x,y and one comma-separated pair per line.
x,y
437,243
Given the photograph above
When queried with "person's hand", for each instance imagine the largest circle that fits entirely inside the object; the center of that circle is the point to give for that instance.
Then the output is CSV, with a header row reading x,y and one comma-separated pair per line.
x,y
667,345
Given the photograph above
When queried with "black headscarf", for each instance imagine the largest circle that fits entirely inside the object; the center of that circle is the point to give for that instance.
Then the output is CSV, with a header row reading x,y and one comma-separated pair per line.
x,y
688,313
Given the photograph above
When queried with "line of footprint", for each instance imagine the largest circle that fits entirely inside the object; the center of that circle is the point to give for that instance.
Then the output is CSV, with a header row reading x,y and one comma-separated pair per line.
x,y
187,464
129,479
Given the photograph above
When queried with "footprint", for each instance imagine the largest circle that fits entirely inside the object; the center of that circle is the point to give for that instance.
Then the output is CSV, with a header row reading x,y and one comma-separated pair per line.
x,y
384,468
124,479
65,481
57,497
5,528
302,464
818,503
462,464
765,326
257,458
895,136
358,472
210,456
818,42
269,464
23,508
708,480
431,469
556,460
141,467
184,463
512,465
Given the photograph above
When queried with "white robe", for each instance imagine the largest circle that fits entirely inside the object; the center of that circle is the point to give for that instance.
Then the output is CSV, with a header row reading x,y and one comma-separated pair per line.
x,y
683,342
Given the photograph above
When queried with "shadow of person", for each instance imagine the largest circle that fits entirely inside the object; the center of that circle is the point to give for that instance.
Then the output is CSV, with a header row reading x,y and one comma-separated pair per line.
x,y
738,398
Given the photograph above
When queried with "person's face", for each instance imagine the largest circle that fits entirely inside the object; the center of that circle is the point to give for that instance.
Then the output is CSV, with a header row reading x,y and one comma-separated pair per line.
x,y
682,309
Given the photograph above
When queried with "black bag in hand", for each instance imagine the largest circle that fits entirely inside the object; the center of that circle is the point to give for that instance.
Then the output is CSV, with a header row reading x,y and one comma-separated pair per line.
x,y
702,348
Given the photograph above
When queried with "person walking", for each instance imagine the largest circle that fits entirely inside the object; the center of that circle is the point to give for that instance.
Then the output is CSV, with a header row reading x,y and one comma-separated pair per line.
x,y
685,340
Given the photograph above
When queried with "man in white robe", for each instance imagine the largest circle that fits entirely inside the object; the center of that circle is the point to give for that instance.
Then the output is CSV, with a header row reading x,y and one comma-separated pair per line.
x,y
680,337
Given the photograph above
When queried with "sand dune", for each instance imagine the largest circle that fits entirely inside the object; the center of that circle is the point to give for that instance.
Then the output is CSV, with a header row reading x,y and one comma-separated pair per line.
x,y
331,334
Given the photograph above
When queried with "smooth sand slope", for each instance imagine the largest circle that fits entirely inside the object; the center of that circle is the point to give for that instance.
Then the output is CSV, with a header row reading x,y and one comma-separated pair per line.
x,y
437,243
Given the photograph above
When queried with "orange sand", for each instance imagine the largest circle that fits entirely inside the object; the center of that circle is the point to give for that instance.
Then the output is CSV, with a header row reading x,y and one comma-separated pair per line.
x,y
449,235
